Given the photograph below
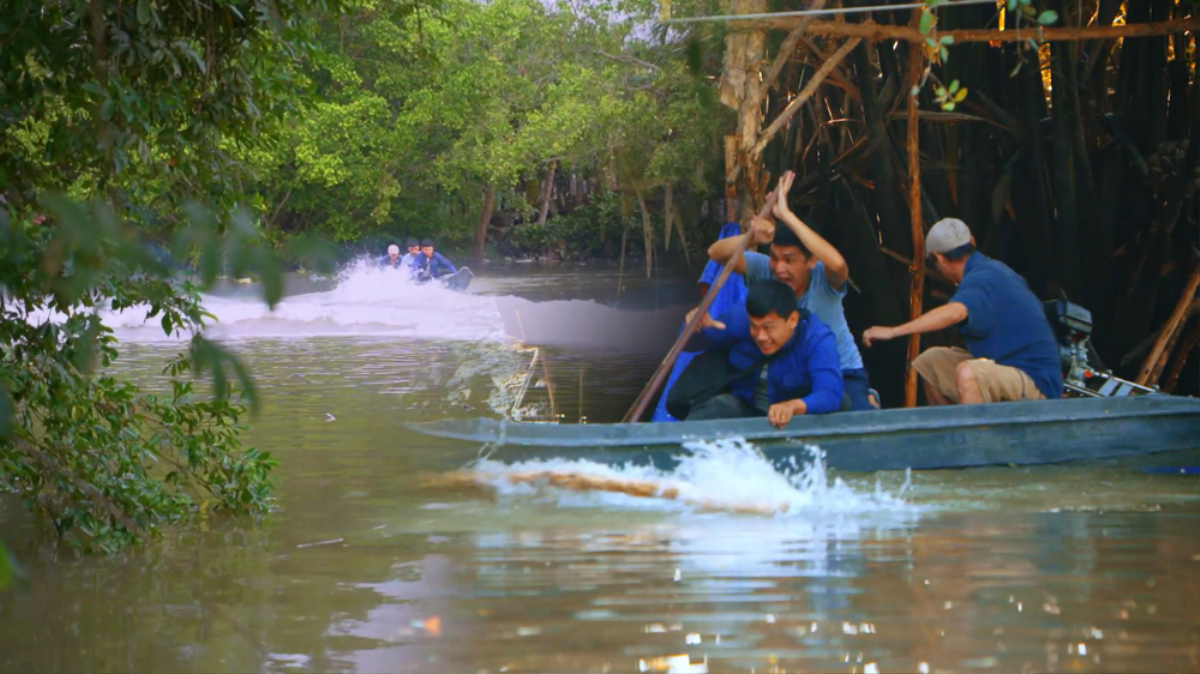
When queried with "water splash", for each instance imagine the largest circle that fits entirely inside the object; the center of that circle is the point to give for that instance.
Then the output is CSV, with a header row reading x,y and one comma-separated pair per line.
x,y
366,301
726,474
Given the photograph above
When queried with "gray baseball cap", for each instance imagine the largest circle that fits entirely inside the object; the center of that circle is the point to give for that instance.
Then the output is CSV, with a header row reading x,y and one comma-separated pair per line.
x,y
946,235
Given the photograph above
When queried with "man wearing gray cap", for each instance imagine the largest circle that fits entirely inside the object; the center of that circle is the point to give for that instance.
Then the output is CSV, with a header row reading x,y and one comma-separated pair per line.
x,y
1012,354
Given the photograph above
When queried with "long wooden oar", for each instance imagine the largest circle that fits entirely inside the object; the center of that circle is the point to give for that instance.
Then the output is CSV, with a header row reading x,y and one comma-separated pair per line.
x,y
660,375
574,481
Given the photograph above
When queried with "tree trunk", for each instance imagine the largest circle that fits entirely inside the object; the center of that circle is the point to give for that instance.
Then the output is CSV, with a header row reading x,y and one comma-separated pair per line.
x,y
489,203
647,233
886,195
547,190
1066,253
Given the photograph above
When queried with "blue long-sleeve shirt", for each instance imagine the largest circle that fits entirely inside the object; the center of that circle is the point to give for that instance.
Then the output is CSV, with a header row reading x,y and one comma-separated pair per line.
x,y
435,266
806,368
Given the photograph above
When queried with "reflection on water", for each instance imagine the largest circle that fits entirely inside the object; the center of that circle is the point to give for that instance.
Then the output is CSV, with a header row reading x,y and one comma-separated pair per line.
x,y
364,567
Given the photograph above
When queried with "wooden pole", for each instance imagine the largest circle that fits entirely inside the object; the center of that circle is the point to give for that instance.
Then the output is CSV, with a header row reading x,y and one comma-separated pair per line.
x,y
917,285
1152,368
731,145
1181,357
664,368
876,33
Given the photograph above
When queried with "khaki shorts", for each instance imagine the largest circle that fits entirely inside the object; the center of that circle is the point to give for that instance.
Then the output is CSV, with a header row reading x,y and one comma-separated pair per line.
x,y
997,383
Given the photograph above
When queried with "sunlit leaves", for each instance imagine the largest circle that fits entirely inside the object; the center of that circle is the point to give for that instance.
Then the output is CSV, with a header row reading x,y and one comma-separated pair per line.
x,y
949,97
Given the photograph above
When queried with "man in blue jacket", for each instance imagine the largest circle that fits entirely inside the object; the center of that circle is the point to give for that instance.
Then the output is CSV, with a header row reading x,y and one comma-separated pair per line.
x,y
431,265
798,354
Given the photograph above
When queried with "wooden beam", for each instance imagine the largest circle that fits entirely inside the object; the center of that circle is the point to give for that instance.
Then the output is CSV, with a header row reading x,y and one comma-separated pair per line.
x,y
877,32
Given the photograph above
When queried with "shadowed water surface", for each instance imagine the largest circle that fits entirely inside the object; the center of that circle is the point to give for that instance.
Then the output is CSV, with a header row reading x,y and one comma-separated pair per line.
x,y
365,567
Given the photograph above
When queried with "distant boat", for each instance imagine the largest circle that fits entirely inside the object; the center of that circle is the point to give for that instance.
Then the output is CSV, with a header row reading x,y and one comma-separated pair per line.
x,y
922,438
459,280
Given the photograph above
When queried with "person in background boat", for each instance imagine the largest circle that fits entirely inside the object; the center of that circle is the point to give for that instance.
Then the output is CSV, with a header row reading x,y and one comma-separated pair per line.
x,y
798,354
408,261
1011,353
817,274
392,259
430,264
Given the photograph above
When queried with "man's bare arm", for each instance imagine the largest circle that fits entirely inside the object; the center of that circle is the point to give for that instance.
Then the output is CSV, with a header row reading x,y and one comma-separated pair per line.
x,y
942,317
836,269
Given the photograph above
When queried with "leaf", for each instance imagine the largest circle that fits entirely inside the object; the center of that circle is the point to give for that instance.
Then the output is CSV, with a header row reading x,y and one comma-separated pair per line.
x,y
953,86
271,276
1047,17
1012,5
962,93
6,411
926,24
9,569
947,39
948,107
143,12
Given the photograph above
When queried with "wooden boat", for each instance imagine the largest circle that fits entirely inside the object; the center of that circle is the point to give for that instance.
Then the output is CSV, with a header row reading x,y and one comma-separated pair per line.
x,y
957,436
459,280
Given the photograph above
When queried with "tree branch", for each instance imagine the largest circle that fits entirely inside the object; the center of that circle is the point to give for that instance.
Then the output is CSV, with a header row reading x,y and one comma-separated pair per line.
x,y
805,94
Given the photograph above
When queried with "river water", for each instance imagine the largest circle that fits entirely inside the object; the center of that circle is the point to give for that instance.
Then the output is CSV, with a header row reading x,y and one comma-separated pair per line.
x,y
369,566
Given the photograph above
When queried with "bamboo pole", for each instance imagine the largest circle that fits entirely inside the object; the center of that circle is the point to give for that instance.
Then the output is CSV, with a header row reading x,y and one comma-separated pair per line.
x,y
1151,369
917,285
664,368
877,32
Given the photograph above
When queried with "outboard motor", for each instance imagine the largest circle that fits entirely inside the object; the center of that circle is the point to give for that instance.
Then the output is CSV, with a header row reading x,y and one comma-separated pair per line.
x,y
1083,372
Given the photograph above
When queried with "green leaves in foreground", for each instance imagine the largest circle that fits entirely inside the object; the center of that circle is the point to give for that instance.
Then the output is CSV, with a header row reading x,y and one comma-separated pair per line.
x,y
103,462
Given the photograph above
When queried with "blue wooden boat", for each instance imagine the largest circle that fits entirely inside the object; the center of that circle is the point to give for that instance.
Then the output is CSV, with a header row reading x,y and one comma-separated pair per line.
x,y
957,436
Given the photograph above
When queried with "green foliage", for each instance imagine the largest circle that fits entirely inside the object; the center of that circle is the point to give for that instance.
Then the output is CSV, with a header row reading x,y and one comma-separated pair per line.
x,y
423,108
116,120
592,231
102,461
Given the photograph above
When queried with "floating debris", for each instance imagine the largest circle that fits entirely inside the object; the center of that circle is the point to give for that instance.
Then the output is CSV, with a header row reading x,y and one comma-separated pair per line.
x,y
692,639
870,668
329,542
330,417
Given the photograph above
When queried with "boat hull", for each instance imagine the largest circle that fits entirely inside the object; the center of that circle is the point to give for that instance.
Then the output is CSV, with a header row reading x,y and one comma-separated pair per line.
x,y
459,280
961,436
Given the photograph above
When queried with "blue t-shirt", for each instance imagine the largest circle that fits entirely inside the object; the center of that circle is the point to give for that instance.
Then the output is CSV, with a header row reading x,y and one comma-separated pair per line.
x,y
822,300
1007,324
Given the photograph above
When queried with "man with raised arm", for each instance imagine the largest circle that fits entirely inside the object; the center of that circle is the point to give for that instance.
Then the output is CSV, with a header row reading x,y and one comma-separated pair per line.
x,y
817,274
1011,353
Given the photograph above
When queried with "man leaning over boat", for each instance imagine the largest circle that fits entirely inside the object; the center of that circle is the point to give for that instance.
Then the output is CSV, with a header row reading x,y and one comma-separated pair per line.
x,y
817,274
1011,353
763,358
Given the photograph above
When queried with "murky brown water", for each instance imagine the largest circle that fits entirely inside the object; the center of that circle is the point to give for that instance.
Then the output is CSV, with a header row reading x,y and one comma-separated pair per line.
x,y
364,568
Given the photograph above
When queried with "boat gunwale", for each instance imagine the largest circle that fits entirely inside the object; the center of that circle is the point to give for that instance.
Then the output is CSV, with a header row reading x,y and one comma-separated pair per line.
x,y
879,422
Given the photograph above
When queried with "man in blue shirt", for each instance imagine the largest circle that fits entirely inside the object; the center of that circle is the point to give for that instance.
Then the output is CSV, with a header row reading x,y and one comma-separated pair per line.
x,y
414,249
1011,353
392,259
431,265
789,358
817,274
